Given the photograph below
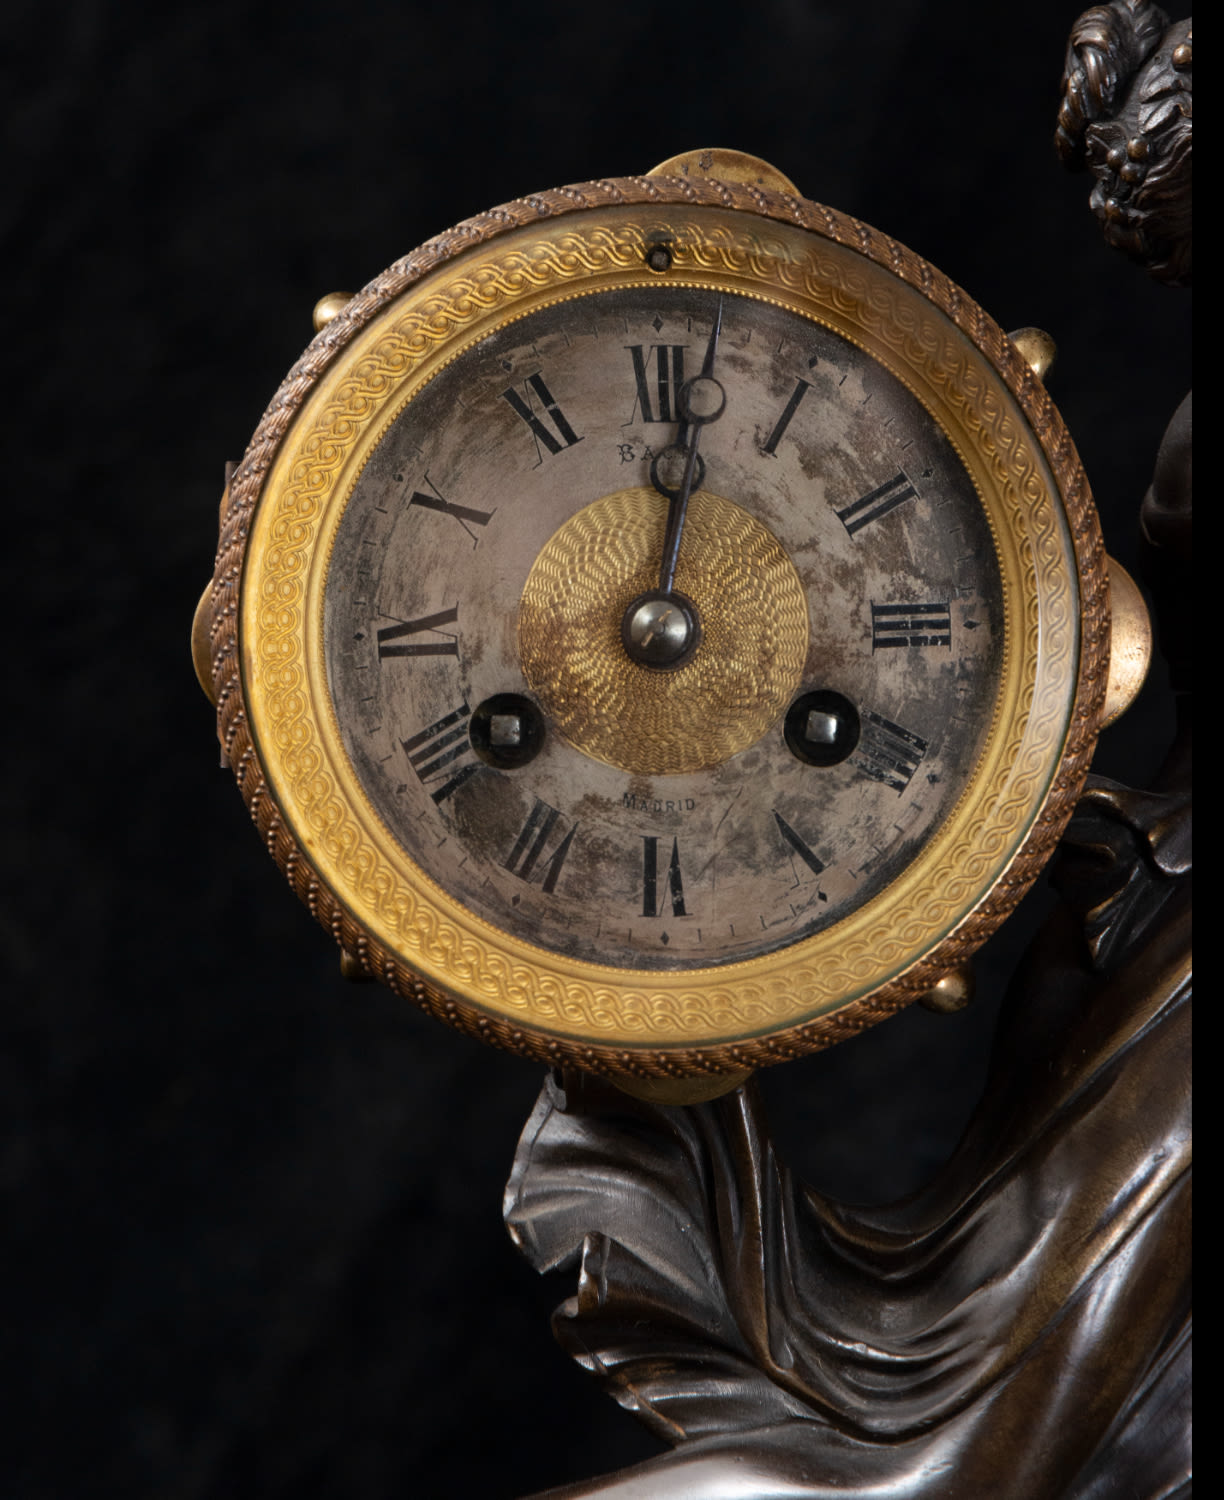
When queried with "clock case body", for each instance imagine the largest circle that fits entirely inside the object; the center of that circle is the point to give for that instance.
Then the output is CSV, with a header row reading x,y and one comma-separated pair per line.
x,y
271,693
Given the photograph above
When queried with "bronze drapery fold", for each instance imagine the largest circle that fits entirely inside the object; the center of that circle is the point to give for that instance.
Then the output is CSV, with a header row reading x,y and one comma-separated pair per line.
x,y
1003,1332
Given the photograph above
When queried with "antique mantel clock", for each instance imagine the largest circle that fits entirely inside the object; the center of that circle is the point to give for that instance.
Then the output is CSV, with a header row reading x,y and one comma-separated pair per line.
x,y
660,625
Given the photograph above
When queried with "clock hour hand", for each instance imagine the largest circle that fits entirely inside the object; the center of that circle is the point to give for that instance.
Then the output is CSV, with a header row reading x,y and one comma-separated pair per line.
x,y
701,400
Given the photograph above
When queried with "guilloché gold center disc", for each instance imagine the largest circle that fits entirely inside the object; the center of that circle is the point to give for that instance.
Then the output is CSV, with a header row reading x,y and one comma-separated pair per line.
x,y
746,670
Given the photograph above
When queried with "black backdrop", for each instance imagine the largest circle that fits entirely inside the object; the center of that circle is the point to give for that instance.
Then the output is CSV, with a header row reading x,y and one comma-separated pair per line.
x,y
252,1236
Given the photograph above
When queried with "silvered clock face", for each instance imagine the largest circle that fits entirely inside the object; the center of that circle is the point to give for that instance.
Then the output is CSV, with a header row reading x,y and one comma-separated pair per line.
x,y
846,587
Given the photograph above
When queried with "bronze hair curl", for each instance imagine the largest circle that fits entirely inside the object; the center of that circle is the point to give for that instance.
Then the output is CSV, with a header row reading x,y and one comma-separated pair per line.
x,y
1126,114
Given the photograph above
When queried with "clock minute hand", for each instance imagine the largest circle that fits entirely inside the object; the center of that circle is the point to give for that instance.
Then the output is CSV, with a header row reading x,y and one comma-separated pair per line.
x,y
661,628
701,400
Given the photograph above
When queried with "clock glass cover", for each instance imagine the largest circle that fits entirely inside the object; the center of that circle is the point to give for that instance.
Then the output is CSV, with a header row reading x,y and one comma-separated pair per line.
x,y
659,625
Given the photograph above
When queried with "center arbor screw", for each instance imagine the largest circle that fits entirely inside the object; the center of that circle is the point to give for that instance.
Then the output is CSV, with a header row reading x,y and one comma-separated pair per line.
x,y
661,630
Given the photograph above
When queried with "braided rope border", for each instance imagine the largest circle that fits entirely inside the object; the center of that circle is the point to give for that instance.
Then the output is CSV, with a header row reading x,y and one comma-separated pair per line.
x,y
1046,425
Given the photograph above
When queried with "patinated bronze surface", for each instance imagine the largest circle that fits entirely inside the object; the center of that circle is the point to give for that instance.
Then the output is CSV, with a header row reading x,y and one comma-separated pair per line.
x,y
1127,115
1021,1327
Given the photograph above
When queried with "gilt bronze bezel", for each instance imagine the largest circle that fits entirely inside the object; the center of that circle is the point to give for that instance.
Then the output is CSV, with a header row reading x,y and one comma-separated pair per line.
x,y
265,617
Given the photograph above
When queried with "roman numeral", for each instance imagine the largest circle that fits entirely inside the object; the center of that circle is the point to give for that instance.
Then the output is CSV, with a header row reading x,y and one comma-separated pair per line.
x,y
669,377
879,502
435,749
650,879
910,625
530,845
539,429
770,444
804,851
464,514
888,753
390,636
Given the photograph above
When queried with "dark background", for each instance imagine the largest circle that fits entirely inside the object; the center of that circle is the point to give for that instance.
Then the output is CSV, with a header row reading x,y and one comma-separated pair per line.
x,y
252,1242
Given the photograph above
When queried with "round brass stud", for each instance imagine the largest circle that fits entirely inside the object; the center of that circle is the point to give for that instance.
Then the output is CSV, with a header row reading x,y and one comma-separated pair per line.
x,y
952,992
726,166
1036,348
699,1089
329,307
201,645
1130,643
352,969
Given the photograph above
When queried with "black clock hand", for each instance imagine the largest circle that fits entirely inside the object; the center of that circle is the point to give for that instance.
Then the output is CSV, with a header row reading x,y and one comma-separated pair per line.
x,y
661,628
701,400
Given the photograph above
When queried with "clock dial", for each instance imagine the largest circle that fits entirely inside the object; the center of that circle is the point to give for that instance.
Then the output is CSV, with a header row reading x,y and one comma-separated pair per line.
x,y
842,570
658,607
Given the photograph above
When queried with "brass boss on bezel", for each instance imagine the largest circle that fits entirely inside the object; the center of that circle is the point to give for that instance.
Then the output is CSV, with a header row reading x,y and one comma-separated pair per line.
x,y
286,502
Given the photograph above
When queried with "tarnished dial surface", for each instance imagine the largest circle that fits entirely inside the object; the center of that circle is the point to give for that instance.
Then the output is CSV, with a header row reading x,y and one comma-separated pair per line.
x,y
840,563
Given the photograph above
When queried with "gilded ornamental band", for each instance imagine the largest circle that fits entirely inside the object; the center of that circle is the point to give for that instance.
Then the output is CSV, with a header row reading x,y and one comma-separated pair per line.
x,y
286,691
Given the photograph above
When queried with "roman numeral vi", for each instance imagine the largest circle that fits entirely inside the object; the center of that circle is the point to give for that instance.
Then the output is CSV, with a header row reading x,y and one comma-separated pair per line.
x,y
673,883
